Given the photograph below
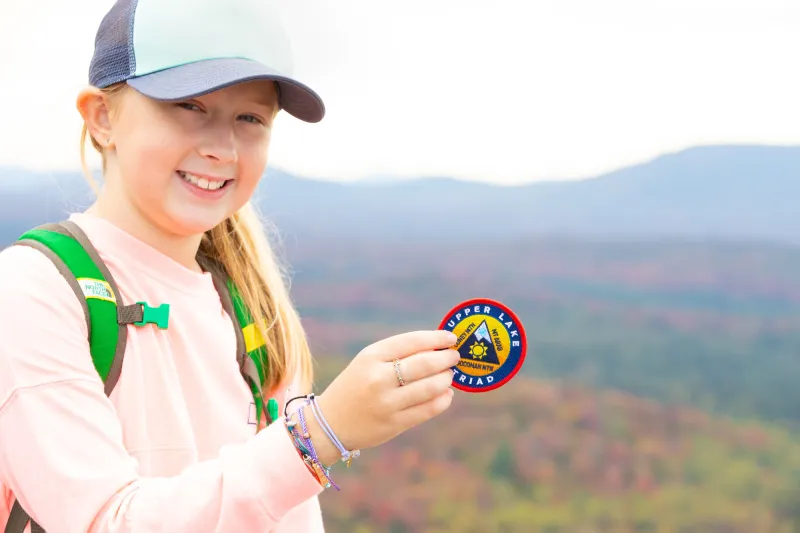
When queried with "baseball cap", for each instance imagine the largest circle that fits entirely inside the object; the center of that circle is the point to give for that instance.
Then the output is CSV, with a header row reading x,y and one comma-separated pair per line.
x,y
177,49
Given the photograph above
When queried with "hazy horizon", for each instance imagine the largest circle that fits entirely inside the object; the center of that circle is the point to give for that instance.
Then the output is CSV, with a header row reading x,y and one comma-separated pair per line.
x,y
388,178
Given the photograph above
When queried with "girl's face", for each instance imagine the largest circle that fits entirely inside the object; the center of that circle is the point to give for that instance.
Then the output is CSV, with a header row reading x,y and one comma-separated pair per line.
x,y
184,167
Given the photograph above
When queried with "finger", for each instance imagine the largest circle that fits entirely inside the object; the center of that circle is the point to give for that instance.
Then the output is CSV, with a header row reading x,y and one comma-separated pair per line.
x,y
416,415
421,391
423,364
402,345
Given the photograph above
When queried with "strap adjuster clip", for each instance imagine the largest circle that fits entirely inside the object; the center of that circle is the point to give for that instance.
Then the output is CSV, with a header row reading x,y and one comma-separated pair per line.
x,y
154,315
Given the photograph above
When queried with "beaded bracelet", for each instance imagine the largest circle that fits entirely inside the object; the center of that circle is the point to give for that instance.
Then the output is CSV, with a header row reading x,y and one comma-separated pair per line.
x,y
307,460
316,470
306,449
347,456
307,440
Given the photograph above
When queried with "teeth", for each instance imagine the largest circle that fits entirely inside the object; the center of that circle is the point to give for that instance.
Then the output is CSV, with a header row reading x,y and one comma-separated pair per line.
x,y
203,183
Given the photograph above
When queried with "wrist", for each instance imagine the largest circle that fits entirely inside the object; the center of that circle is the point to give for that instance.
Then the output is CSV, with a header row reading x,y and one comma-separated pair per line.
x,y
326,450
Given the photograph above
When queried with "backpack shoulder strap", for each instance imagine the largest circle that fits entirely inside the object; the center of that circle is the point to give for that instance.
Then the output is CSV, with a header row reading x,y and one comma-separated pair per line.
x,y
251,348
68,247
18,519
76,259
255,348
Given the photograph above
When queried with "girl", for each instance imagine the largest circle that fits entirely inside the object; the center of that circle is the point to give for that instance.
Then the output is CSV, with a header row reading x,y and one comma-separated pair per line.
x,y
181,105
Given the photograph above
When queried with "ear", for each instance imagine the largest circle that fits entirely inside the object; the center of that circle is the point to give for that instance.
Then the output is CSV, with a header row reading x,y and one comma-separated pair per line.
x,y
92,104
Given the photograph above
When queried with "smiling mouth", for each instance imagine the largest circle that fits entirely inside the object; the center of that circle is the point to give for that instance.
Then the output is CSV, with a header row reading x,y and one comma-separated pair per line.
x,y
203,183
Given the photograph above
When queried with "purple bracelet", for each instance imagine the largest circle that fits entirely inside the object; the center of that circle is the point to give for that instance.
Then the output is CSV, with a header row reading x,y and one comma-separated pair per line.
x,y
347,456
310,446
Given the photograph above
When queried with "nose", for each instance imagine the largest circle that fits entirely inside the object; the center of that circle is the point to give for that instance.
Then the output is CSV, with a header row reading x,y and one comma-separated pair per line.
x,y
219,145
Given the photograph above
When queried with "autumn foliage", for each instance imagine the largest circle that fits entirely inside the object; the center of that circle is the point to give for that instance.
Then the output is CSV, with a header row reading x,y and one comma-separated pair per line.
x,y
545,457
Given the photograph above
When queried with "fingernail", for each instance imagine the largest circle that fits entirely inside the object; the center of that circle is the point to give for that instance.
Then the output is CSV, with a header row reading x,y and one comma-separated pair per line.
x,y
452,337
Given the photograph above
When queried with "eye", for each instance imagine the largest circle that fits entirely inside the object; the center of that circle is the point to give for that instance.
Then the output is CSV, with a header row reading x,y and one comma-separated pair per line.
x,y
251,118
188,106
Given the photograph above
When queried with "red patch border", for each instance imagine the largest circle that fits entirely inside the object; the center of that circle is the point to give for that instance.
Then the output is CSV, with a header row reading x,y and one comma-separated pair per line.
x,y
523,341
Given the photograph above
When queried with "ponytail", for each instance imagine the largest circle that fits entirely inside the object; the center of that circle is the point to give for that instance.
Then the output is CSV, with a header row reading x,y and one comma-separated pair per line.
x,y
240,245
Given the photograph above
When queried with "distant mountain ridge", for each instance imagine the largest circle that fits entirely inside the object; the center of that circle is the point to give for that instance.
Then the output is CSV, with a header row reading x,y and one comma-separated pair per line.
x,y
737,192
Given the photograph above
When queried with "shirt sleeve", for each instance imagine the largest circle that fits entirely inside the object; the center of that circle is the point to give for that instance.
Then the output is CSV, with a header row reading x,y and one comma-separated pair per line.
x,y
62,452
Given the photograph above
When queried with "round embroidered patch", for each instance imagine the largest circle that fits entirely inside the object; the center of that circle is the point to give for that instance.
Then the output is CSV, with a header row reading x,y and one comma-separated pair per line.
x,y
491,341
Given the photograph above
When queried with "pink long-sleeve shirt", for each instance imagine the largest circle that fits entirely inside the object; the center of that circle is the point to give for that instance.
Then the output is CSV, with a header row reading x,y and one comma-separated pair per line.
x,y
175,447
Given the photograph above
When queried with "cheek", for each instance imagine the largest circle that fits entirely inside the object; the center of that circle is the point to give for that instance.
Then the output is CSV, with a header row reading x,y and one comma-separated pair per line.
x,y
149,156
252,163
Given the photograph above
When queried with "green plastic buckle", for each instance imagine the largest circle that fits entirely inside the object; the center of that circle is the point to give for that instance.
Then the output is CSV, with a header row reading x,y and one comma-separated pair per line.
x,y
272,409
154,315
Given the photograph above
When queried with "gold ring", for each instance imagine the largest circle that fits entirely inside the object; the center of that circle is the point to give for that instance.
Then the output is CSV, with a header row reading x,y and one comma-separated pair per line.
x,y
397,372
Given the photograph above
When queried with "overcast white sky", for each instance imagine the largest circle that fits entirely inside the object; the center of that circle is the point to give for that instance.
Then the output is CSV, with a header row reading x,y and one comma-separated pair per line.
x,y
507,91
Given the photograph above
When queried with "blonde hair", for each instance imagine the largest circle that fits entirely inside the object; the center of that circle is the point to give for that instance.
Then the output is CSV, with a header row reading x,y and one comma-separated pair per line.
x,y
240,246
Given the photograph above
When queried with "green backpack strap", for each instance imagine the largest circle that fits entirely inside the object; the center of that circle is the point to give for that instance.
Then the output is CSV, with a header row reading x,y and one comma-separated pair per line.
x,y
68,247
250,346
70,250
255,348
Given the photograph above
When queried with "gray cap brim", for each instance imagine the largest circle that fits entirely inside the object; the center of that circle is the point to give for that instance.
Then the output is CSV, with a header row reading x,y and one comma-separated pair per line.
x,y
196,79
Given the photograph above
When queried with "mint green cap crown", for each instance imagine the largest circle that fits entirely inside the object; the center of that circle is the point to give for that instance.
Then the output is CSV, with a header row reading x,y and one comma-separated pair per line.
x,y
170,33
177,49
